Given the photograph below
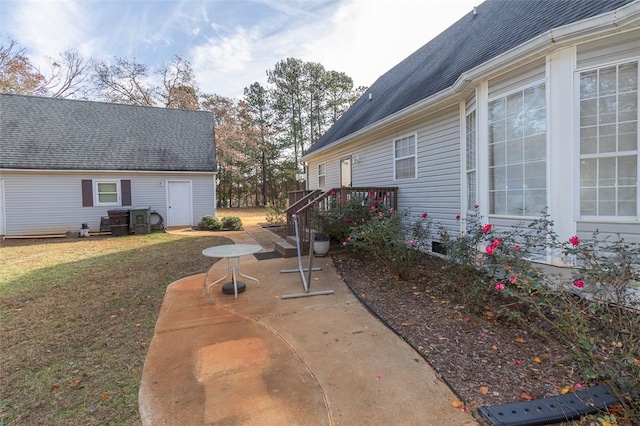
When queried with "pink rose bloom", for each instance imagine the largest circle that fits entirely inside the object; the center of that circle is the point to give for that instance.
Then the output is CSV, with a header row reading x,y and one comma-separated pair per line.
x,y
424,215
578,283
496,243
344,244
412,243
333,192
348,239
500,286
487,228
516,247
512,279
489,250
457,217
574,240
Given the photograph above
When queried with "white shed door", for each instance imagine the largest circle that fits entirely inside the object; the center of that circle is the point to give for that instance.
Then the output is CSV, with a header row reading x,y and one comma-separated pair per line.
x,y
179,200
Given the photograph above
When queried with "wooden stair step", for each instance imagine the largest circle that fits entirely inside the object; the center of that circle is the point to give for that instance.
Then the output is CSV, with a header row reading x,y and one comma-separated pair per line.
x,y
285,248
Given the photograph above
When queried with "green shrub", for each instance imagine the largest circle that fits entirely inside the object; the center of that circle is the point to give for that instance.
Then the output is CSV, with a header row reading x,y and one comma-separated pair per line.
x,y
231,223
276,213
210,223
386,239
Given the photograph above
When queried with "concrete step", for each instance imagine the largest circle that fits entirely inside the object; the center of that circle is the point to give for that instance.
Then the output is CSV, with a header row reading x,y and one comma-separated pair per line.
x,y
285,248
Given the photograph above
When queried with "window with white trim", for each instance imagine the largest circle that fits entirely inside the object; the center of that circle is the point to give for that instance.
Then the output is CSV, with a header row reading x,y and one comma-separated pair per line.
x,y
404,155
322,175
107,193
609,141
518,153
470,137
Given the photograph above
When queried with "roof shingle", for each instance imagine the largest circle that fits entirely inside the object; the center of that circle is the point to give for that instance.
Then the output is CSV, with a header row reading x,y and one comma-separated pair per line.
x,y
64,134
497,27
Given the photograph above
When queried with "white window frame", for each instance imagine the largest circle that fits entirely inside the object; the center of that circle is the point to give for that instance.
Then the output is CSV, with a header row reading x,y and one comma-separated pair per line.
x,y
96,192
322,177
612,154
471,157
414,156
490,165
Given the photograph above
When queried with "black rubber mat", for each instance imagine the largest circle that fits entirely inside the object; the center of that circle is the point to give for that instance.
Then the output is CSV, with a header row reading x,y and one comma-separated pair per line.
x,y
554,409
266,255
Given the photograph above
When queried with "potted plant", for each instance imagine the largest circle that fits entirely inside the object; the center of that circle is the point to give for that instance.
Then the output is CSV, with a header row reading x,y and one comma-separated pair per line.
x,y
322,240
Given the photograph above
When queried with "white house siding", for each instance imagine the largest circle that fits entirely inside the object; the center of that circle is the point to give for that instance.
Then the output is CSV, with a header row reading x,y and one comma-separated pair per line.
x,y
610,230
438,187
58,206
204,195
598,53
609,49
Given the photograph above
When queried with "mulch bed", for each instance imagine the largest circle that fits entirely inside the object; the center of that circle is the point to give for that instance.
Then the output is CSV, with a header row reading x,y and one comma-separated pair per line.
x,y
484,360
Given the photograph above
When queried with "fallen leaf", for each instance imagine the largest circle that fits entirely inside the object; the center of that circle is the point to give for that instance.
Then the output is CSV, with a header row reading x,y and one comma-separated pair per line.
x,y
138,324
494,347
537,359
566,390
55,387
637,361
484,390
104,395
405,324
519,340
76,382
527,396
457,404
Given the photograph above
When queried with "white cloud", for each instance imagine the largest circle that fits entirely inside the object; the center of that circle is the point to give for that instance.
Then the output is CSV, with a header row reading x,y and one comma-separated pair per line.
x,y
232,44
48,28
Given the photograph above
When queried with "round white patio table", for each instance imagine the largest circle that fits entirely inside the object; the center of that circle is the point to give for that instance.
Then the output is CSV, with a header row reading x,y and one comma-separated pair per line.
x,y
232,253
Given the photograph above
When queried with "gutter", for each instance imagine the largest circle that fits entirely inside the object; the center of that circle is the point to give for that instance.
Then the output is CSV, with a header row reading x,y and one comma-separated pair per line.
x,y
601,25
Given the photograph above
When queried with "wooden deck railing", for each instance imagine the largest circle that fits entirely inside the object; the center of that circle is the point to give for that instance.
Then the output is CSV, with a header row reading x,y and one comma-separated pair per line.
x,y
305,206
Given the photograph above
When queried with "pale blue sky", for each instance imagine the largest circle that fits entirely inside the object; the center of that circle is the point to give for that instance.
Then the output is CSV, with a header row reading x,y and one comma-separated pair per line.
x,y
231,43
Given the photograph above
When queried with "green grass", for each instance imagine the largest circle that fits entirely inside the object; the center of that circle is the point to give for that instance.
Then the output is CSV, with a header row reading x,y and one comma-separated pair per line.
x,y
76,319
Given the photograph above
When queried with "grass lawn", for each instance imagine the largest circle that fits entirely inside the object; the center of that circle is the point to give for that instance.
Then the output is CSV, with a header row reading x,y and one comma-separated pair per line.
x,y
76,319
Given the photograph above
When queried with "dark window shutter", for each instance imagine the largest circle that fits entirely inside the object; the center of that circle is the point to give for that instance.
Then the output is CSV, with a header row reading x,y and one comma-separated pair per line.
x,y
87,193
125,187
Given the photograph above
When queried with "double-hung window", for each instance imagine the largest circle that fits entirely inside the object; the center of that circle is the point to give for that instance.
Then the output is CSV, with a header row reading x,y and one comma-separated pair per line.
x,y
107,193
518,153
470,138
404,155
322,175
609,141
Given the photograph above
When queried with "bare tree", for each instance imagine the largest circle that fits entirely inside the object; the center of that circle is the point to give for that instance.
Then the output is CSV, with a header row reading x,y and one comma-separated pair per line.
x,y
17,73
125,82
68,75
180,86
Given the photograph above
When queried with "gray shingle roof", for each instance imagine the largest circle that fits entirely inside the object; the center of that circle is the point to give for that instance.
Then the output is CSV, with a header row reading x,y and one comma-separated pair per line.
x,y
498,26
63,134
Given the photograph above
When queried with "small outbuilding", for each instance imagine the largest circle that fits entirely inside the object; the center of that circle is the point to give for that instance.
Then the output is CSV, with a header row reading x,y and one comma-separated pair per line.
x,y
64,163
